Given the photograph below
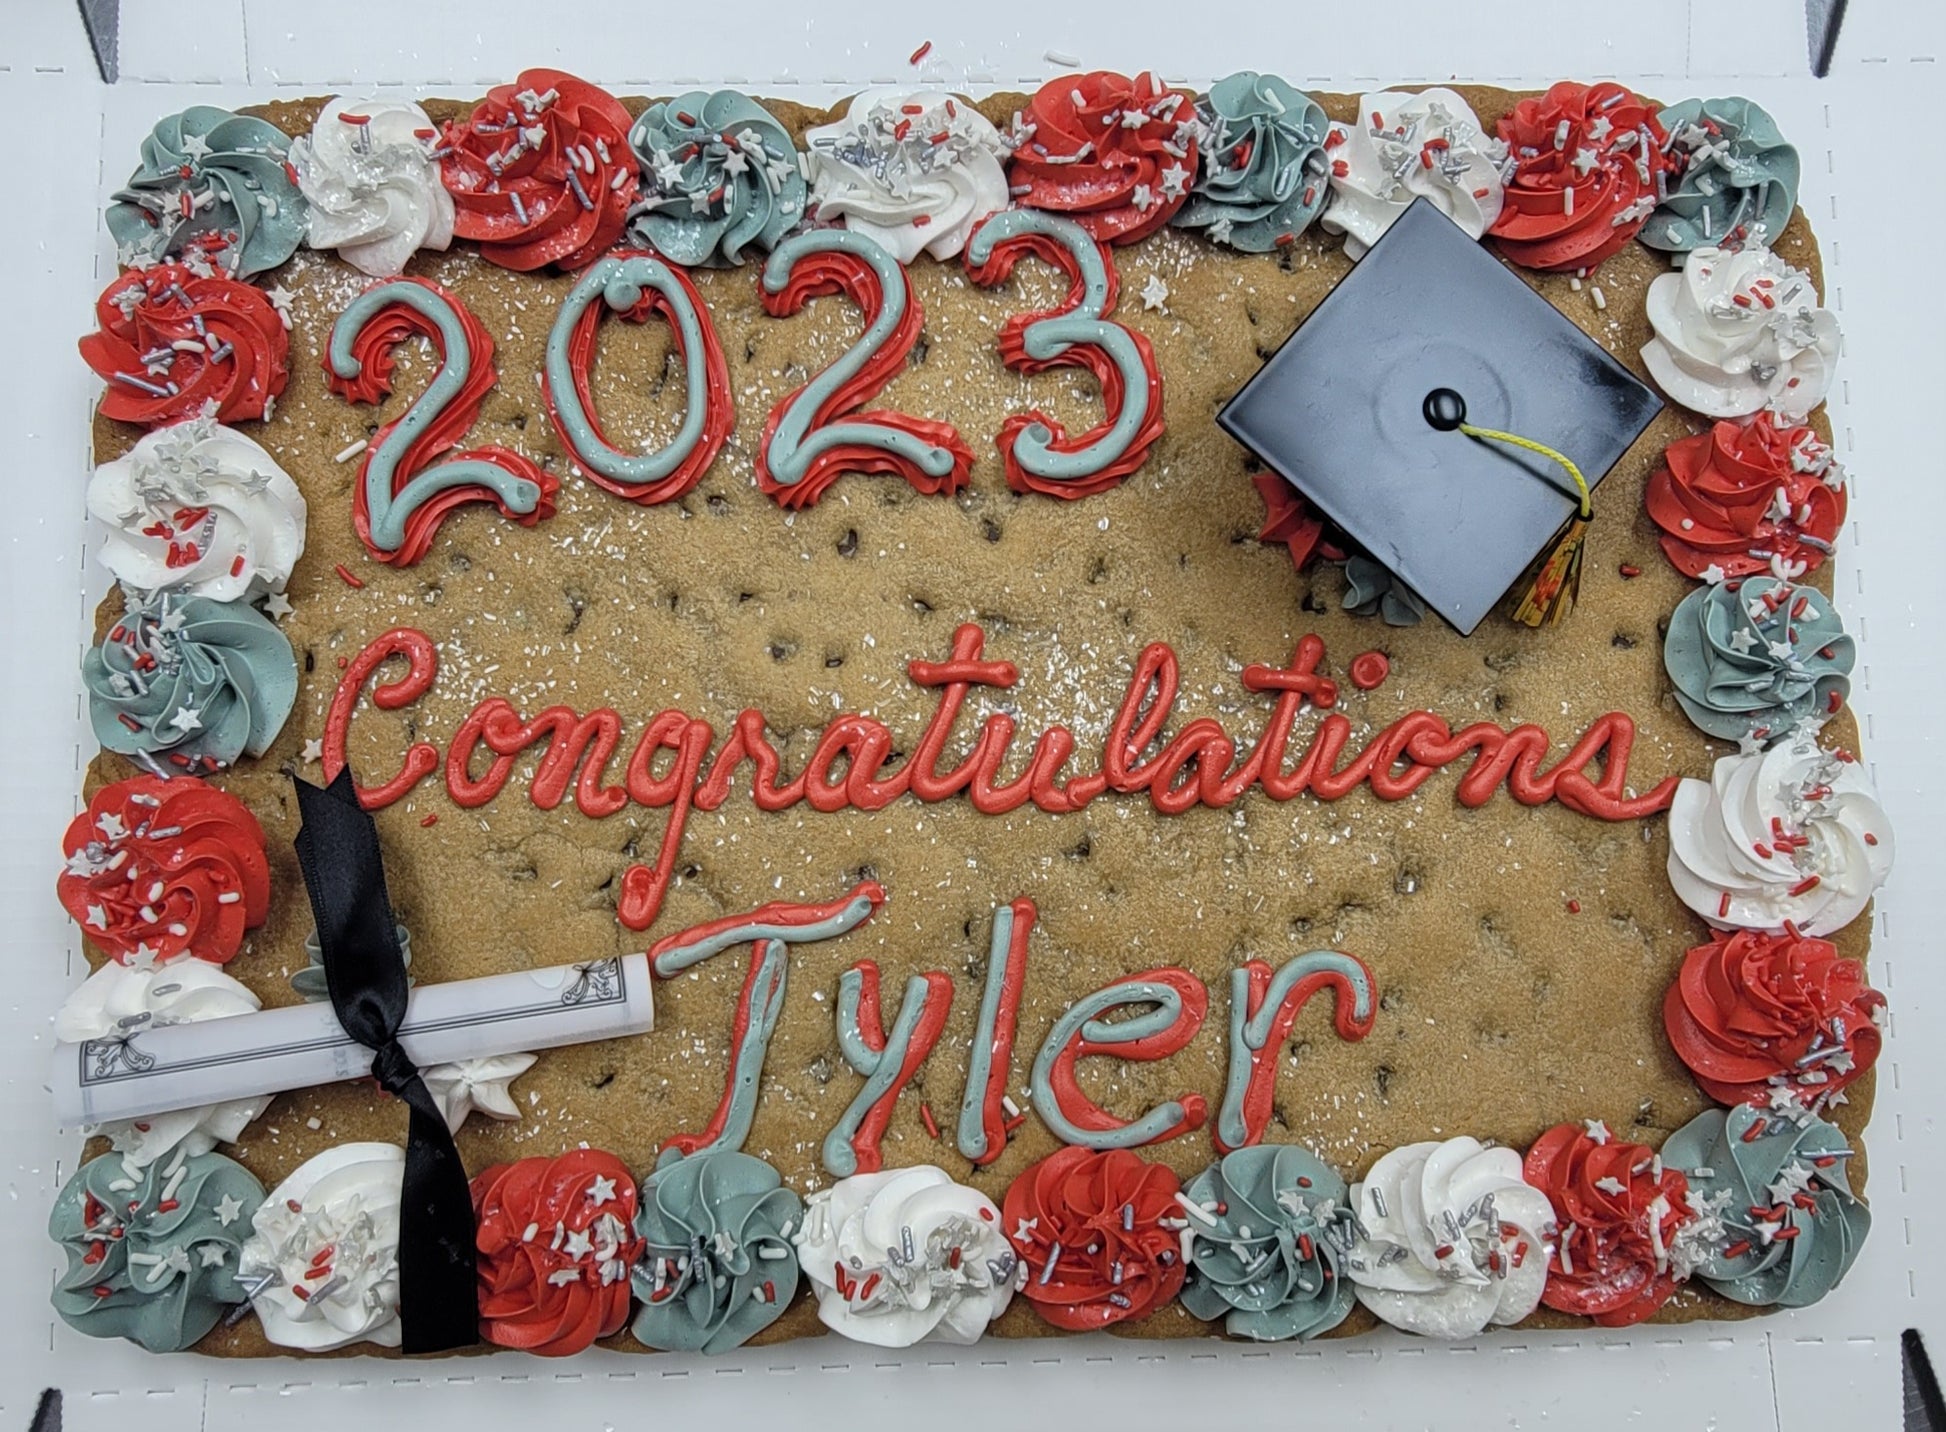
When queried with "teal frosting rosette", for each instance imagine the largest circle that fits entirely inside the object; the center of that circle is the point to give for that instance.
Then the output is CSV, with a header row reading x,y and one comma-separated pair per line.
x,y
1371,590
193,677
719,176
152,1251
1736,171
719,1265
1270,1226
1263,175
1776,1221
214,182
1757,657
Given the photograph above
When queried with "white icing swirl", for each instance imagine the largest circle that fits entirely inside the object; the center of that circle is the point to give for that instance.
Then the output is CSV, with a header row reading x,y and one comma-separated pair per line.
x,y
1407,146
1728,864
915,170
1453,1238
122,999
467,1085
345,1200
1739,331
906,1255
199,508
374,192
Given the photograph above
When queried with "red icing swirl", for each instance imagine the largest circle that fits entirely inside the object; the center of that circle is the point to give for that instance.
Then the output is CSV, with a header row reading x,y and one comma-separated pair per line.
x,y
541,172
1715,497
209,339
1076,154
556,1239
156,868
1289,519
1611,1261
1747,1007
1104,1211
1586,159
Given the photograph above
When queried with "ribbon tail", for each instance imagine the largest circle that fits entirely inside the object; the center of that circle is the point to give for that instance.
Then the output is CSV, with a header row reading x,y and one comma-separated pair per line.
x,y
438,1290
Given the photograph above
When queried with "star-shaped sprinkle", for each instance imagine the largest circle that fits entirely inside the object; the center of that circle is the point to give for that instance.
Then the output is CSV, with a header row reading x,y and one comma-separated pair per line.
x,y
229,1209
110,825
143,956
1597,1130
1220,231
1133,118
1748,744
194,146
277,606
1143,198
1715,575
601,1191
213,1254
98,916
177,1258
1741,640
1794,1178
699,201
668,173
1175,182
313,750
1611,1185
1024,1229
1601,128
1155,294
1783,1099
187,719
735,162
1584,160
280,298
578,1244
1781,650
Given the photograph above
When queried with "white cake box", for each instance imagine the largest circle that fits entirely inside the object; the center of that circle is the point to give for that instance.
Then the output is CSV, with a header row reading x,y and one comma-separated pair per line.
x,y
1870,189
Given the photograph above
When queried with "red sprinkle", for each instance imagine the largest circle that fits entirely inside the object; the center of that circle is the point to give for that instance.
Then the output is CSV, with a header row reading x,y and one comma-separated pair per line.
x,y
1737,1249
236,567
932,1126
1784,1235
1723,906
1870,839
1369,670
1630,570
1574,907
1807,884
431,820
351,578
919,54
1754,1132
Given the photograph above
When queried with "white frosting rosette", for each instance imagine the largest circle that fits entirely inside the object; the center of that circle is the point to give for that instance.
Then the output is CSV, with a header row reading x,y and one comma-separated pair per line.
x,y
201,509
906,1255
1454,1239
467,1085
339,1211
915,170
374,191
1739,331
120,999
1795,833
1408,146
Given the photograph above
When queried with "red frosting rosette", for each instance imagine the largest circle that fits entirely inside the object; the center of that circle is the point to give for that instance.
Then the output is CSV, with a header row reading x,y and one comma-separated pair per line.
x,y
1586,159
541,172
1751,1011
1118,156
1618,1209
1762,496
158,867
171,342
1098,1218
556,1240
1289,519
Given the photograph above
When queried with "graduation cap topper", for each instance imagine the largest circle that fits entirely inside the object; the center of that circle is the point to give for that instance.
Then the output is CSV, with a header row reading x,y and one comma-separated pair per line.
x,y
1393,405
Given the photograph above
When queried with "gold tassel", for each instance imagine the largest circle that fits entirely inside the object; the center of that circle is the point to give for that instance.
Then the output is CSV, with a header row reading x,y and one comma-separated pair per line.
x,y
1547,594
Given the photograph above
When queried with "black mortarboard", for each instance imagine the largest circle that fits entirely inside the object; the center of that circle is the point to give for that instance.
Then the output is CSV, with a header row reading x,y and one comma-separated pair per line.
x,y
1345,411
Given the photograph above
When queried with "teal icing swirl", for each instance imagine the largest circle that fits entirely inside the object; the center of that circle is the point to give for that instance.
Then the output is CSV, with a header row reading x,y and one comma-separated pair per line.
x,y
1262,175
880,1068
719,1265
310,983
719,175
1741,171
1372,590
1085,1018
1732,1171
769,974
1250,1033
164,1241
232,168
1248,1263
1758,659
190,676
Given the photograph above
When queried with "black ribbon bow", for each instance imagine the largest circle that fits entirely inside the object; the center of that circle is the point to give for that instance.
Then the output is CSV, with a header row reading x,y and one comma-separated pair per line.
x,y
365,971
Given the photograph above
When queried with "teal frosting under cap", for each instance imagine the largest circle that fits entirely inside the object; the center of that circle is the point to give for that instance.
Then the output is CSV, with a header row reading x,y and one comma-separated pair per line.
x,y
719,1265
190,676
719,175
310,981
1262,176
1758,659
244,208
1371,590
1262,1208
161,1240
1740,171
1793,1170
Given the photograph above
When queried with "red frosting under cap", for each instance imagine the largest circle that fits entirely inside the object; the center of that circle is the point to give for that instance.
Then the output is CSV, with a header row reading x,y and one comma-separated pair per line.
x,y
1747,1006
1289,519
1076,1198
213,339
1082,161
1611,1272
1724,485
551,184
156,868
553,1293
1540,227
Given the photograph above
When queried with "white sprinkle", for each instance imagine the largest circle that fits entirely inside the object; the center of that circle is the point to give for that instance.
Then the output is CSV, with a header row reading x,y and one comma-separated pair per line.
x,y
351,452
